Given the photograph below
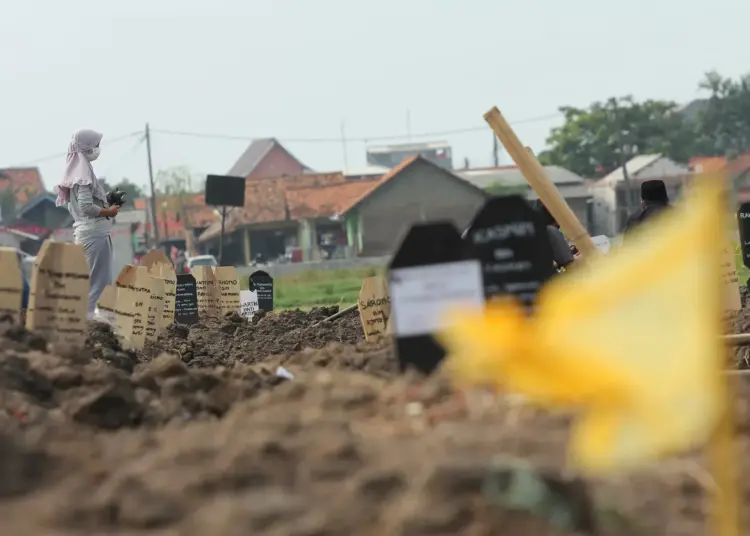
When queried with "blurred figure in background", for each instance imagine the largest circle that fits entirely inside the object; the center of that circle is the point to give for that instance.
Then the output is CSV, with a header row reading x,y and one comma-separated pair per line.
x,y
561,251
654,199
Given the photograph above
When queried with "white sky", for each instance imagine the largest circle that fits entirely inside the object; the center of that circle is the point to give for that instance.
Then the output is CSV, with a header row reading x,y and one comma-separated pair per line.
x,y
298,68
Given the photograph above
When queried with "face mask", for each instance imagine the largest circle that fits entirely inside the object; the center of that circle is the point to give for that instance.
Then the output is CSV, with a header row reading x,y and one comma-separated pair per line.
x,y
94,154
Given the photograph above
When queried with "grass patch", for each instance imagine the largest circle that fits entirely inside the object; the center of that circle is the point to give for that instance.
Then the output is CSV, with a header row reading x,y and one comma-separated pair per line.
x,y
313,288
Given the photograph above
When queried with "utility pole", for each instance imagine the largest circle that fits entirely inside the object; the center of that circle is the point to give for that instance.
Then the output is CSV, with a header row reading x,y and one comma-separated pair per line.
x,y
343,146
153,190
495,151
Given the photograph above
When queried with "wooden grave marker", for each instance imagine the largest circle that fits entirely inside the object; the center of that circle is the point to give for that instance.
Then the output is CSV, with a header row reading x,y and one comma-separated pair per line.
x,y
209,303
732,301
133,298
58,301
11,284
155,308
228,282
154,257
374,307
166,272
107,304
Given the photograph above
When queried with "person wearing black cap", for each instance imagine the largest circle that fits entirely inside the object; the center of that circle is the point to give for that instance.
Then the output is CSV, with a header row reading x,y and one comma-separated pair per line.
x,y
654,199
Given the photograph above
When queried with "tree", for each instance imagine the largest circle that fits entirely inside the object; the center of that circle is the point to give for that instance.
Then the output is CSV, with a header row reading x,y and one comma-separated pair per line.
x,y
131,190
596,140
7,204
175,181
723,125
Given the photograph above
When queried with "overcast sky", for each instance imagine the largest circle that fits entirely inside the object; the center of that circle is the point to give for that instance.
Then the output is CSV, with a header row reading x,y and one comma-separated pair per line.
x,y
298,69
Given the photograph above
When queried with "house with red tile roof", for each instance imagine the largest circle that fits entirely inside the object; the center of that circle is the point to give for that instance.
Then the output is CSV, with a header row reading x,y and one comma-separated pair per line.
x,y
306,213
18,186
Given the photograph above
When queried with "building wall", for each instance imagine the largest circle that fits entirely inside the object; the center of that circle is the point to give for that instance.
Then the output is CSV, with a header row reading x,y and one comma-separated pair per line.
x,y
277,163
419,193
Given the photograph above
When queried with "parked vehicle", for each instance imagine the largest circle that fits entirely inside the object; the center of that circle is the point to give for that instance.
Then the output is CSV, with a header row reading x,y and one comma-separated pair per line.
x,y
200,260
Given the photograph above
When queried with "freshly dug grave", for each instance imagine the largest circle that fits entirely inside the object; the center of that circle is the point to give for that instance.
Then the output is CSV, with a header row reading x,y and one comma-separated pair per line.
x,y
234,339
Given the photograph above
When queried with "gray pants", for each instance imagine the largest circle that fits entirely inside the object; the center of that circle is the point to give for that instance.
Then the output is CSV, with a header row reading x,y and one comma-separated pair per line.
x,y
98,250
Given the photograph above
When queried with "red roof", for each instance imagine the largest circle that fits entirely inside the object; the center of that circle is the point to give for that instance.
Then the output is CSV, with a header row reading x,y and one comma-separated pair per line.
x,y
385,178
26,183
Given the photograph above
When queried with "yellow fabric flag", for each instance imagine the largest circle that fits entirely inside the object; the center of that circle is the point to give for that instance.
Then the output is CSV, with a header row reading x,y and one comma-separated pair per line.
x,y
632,340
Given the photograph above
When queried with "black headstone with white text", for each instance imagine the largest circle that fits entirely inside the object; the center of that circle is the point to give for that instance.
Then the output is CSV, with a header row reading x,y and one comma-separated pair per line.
x,y
743,221
511,241
429,274
186,300
262,283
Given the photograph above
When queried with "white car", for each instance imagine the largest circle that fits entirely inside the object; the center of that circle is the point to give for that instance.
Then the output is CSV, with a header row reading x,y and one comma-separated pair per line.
x,y
200,260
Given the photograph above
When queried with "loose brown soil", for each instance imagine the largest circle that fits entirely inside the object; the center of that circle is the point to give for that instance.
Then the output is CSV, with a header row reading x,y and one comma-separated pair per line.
x,y
197,435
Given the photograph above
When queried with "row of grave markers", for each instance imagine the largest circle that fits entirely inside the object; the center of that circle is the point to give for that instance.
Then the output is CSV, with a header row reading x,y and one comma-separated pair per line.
x,y
505,250
144,299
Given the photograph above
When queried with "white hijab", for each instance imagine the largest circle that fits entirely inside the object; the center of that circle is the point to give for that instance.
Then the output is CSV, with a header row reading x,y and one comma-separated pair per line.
x,y
78,170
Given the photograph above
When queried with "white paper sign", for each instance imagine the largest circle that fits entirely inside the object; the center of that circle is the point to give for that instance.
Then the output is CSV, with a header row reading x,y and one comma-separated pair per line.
x,y
601,242
248,303
421,295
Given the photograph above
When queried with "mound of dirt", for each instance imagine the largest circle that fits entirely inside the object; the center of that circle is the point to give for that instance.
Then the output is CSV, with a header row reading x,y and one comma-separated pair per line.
x,y
236,340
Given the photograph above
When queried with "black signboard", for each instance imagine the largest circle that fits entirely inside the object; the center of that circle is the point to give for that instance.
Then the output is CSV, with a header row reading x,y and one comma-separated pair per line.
x,y
427,246
223,191
743,220
262,283
511,241
186,300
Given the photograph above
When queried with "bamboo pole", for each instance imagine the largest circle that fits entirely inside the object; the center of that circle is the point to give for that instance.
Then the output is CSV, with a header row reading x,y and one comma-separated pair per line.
x,y
534,173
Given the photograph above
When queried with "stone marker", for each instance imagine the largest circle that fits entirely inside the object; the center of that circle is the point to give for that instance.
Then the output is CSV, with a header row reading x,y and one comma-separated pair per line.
x,y
262,283
11,284
58,301
374,306
186,300
229,289
155,309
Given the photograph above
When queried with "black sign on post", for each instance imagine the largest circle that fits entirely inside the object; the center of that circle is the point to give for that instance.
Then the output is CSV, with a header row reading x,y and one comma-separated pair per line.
x,y
224,191
429,273
743,221
186,300
511,241
262,283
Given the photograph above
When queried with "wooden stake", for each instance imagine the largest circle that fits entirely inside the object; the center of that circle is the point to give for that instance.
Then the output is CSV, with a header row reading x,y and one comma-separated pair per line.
x,y
534,173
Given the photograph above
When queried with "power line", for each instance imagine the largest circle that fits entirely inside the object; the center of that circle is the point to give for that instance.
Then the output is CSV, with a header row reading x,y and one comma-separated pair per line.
x,y
364,139
124,156
55,156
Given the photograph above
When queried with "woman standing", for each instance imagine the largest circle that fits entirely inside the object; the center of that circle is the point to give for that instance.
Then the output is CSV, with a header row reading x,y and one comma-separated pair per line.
x,y
86,200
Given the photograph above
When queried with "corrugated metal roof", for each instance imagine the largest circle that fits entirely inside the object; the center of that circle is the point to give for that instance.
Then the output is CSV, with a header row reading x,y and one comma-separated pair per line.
x,y
512,176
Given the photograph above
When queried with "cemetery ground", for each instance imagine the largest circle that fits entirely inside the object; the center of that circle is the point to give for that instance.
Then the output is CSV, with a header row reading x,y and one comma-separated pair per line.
x,y
197,434
314,288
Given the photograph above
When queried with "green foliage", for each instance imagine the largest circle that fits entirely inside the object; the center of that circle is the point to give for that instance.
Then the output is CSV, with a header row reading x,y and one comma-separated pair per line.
x,y
132,190
8,207
500,189
723,126
596,140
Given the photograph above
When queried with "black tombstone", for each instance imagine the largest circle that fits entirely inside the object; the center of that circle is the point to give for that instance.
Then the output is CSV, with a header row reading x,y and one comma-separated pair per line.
x,y
262,283
425,244
743,222
511,241
186,300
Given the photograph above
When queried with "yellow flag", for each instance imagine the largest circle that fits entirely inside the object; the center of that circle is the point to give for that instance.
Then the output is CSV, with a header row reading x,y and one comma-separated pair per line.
x,y
631,340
